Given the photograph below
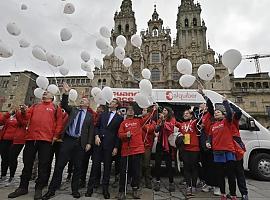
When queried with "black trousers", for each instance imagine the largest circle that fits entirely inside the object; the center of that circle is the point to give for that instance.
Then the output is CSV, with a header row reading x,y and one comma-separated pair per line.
x,y
134,161
160,154
191,167
228,169
14,152
240,177
5,146
100,154
208,170
70,150
31,148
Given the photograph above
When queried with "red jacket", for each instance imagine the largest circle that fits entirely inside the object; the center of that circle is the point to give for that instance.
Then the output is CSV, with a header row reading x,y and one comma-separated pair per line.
x,y
148,134
222,137
166,130
10,127
189,127
19,136
45,122
206,121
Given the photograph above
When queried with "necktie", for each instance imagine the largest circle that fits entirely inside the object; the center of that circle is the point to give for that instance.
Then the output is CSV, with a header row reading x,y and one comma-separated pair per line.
x,y
78,124
109,120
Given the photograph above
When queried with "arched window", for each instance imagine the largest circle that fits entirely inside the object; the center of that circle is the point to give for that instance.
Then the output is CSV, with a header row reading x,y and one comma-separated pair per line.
x,y
258,85
164,47
104,82
146,49
238,85
244,85
127,28
155,32
265,85
119,29
186,22
251,85
155,74
194,22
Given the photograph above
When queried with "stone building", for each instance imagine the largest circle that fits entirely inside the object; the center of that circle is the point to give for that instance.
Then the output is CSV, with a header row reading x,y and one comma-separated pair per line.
x,y
160,54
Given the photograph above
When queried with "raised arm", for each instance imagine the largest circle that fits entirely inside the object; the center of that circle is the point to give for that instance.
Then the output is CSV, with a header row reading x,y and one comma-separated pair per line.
x,y
209,104
227,109
64,101
236,110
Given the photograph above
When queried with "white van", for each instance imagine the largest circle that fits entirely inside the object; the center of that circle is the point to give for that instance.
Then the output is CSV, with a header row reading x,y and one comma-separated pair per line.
x,y
255,136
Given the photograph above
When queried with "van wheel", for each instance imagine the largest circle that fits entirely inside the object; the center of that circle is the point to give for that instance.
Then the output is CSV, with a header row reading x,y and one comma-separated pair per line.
x,y
260,166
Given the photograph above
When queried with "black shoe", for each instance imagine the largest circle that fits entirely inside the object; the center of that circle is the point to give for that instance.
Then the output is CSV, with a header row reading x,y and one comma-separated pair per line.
x,y
38,194
89,192
76,194
135,194
106,194
48,195
121,196
18,192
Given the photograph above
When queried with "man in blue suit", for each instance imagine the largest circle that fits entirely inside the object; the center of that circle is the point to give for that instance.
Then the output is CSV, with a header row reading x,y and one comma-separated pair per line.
x,y
106,146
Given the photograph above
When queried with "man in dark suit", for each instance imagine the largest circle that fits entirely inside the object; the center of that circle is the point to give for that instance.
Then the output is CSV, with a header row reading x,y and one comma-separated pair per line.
x,y
78,136
106,146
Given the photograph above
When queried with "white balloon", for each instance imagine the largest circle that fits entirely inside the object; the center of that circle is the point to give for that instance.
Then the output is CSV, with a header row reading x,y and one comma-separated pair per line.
x,y
24,43
42,82
119,52
121,41
39,53
95,91
73,95
142,100
65,34
97,63
136,41
5,51
145,87
187,80
184,66
107,94
23,7
127,62
85,56
53,89
231,59
206,72
105,32
90,75
38,92
86,67
146,73
101,44
54,60
13,29
108,51
99,99
60,61
64,71
69,8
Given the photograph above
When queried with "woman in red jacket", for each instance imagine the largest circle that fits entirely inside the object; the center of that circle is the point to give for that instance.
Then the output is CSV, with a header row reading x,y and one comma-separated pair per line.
x,y
221,141
191,150
164,128
130,134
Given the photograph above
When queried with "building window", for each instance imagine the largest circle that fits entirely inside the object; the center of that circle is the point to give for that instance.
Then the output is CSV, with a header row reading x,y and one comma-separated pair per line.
x,y
252,103
175,76
251,85
155,32
9,105
267,108
146,49
155,58
83,81
119,29
11,96
258,85
164,47
186,22
87,81
127,28
238,85
16,78
265,85
72,81
194,22
244,85
239,99
155,75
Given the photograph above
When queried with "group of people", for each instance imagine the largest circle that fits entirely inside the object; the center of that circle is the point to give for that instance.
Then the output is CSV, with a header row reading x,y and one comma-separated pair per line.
x,y
209,144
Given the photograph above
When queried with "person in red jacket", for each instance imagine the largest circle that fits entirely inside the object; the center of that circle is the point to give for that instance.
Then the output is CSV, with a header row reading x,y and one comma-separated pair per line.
x,y
130,134
191,150
148,139
164,128
221,141
44,125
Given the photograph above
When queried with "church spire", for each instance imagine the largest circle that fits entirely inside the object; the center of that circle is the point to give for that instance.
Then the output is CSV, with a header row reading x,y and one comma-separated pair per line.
x,y
155,15
126,8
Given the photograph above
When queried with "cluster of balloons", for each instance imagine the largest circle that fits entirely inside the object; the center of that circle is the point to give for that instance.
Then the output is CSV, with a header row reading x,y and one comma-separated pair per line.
x,y
103,96
43,84
101,43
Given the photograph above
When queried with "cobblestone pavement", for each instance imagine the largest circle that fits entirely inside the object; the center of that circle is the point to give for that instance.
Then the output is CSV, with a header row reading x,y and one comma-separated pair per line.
x,y
258,190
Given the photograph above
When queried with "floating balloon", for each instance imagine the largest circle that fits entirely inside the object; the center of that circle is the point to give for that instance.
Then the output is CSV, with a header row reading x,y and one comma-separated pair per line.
x,y
119,52
145,87
23,7
127,62
108,51
42,82
54,60
95,91
53,89
85,56
24,43
60,61
107,94
206,72
99,99
136,41
187,80
13,29
73,95
105,32
184,66
39,53
69,8
86,67
97,63
38,92
65,34
90,75
64,71
231,59
142,100
5,51
101,44
146,73
121,41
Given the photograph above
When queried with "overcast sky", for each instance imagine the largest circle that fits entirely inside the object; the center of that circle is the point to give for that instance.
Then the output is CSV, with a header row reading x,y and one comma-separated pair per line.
x,y
239,24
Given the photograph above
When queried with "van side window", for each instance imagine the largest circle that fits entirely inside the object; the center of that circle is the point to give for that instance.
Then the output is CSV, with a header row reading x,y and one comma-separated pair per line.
x,y
243,123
